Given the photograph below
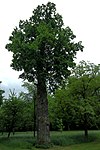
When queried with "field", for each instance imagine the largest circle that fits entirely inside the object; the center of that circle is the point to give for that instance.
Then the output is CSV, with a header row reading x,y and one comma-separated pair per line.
x,y
69,140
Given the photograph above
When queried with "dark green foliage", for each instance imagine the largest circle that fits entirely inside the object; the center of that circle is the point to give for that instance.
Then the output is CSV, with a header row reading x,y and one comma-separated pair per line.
x,y
41,45
17,114
11,114
27,122
61,110
78,105
84,89
29,97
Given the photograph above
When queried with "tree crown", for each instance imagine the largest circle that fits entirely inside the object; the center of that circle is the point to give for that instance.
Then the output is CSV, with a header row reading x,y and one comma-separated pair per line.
x,y
41,46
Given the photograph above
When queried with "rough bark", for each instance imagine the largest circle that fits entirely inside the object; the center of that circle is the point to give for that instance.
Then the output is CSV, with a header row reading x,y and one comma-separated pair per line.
x,y
43,133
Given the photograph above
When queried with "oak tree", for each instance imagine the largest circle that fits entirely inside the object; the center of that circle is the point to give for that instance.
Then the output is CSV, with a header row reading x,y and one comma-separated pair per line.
x,y
44,49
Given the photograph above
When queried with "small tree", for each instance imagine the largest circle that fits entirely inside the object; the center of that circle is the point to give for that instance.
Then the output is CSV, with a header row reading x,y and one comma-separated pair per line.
x,y
12,110
44,50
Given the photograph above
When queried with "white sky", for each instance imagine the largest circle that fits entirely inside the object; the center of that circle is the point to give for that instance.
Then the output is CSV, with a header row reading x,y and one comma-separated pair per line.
x,y
82,16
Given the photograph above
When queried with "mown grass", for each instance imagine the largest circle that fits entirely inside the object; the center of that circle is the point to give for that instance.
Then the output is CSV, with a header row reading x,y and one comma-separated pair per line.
x,y
69,140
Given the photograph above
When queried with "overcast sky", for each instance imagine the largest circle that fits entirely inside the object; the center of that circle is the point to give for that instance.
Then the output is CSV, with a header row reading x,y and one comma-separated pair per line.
x,y
82,16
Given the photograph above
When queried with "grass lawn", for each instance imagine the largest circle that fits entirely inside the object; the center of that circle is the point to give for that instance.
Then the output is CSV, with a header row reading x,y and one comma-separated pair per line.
x,y
69,140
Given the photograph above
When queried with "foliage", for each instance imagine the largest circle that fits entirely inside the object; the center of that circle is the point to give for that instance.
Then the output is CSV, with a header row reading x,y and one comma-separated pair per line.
x,y
41,45
30,92
61,109
29,97
60,124
78,104
27,122
16,114
11,113
84,89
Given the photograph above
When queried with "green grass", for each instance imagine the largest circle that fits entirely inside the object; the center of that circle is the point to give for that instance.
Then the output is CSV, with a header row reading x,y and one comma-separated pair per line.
x,y
69,140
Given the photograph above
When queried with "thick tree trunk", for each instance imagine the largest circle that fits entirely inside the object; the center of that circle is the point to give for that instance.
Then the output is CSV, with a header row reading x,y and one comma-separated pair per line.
x,y
43,133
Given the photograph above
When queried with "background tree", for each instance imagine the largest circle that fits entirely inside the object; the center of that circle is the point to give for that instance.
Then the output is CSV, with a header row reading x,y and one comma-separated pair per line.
x,y
44,50
84,89
78,103
29,96
30,91
11,113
